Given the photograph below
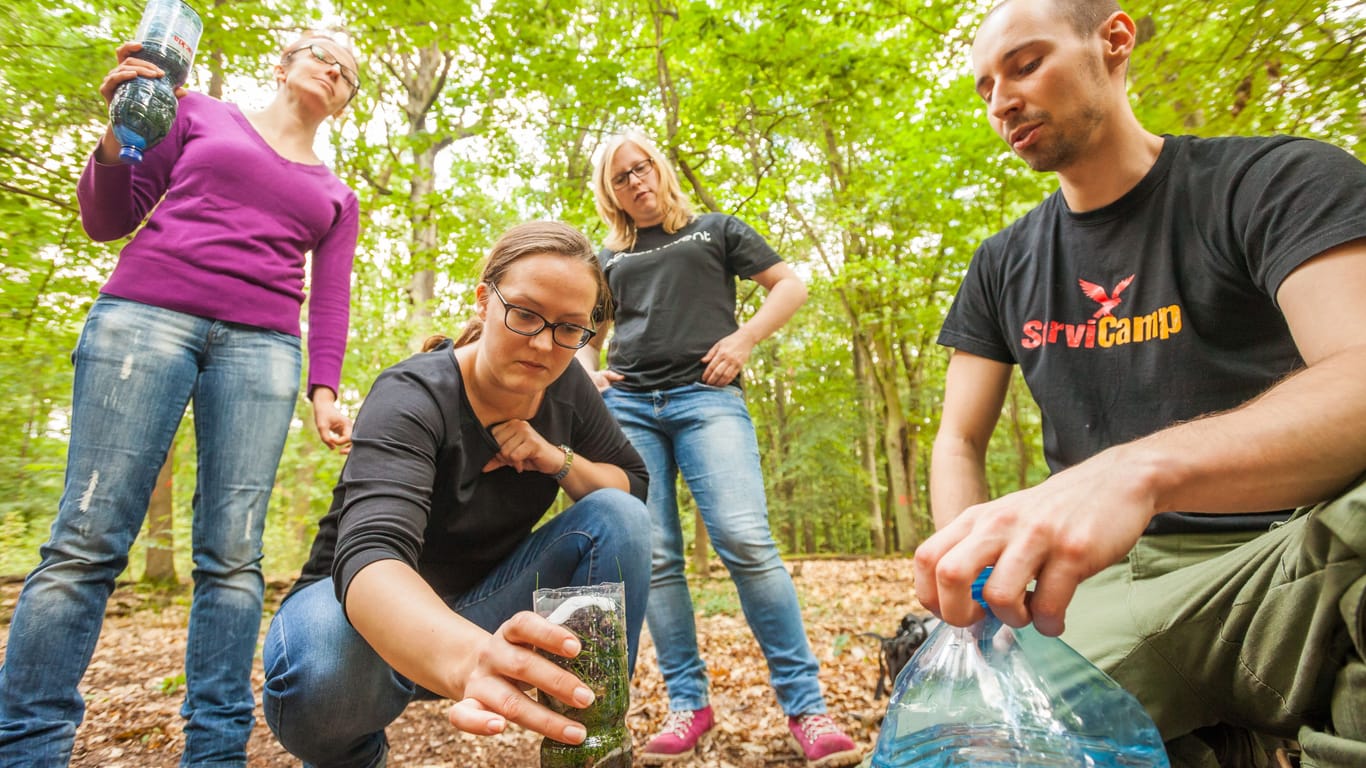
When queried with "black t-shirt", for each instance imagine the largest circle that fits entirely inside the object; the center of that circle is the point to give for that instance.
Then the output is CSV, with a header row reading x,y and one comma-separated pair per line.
x,y
674,297
413,488
1159,307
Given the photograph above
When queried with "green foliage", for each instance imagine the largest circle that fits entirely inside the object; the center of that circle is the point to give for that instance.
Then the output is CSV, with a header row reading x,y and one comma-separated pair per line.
x,y
846,131
713,596
173,685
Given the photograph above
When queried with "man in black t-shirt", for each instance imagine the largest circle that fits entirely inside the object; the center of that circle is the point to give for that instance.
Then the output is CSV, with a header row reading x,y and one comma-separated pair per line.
x,y
1180,311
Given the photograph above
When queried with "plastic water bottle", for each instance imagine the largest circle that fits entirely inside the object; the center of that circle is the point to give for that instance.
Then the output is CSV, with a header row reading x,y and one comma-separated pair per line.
x,y
991,696
143,109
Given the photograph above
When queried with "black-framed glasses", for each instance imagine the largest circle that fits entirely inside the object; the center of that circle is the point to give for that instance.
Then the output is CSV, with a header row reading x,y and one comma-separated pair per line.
x,y
640,170
321,54
528,322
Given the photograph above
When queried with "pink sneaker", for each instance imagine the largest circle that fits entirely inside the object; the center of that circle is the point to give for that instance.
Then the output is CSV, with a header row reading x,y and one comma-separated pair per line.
x,y
679,736
822,742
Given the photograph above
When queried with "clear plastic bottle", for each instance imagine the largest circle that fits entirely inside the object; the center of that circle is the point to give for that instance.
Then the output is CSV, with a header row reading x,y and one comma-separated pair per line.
x,y
597,615
143,109
991,696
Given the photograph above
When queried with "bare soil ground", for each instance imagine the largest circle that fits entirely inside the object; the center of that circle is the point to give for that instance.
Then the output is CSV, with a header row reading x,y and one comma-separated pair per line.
x,y
134,685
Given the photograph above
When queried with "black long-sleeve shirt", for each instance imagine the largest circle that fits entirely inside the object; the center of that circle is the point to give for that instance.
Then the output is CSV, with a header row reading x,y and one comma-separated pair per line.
x,y
413,488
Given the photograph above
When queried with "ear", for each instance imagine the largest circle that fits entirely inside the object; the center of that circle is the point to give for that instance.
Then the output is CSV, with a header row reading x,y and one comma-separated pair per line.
x,y
481,300
1118,36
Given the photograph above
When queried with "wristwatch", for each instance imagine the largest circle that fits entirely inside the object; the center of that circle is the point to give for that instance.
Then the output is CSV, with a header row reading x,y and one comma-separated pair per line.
x,y
568,462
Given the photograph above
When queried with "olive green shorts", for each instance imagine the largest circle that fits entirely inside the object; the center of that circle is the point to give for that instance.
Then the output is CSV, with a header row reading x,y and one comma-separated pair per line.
x,y
1263,632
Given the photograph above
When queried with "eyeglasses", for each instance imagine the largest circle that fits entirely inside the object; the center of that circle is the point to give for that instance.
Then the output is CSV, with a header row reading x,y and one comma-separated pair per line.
x,y
640,170
526,322
321,54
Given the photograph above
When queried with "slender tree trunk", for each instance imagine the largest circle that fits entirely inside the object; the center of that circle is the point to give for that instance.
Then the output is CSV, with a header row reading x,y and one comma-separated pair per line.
x,y
894,433
780,480
1023,450
700,543
301,500
423,78
161,527
868,402
422,286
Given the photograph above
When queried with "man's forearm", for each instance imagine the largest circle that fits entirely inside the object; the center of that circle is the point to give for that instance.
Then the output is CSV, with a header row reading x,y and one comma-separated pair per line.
x,y
957,481
1299,443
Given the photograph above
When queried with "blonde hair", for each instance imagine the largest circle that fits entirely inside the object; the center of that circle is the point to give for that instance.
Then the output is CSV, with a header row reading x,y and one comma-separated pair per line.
x,y
532,239
621,233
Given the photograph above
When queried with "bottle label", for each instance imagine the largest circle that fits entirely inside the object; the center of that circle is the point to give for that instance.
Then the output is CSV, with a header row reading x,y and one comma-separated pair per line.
x,y
169,33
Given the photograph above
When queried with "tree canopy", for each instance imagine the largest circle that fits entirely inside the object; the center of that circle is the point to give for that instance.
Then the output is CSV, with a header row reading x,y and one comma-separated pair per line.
x,y
846,131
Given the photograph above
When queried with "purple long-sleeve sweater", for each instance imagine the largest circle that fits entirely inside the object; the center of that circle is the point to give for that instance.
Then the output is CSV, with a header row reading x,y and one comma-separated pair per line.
x,y
231,222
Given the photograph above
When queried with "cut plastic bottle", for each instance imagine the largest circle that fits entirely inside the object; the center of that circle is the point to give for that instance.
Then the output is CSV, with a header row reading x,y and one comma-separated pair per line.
x,y
596,614
991,696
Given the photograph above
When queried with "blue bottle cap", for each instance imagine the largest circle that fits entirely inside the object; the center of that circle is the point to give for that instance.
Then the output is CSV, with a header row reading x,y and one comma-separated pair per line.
x,y
977,585
130,155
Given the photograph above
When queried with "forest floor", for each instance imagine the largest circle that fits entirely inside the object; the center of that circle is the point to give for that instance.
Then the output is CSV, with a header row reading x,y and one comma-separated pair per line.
x,y
135,684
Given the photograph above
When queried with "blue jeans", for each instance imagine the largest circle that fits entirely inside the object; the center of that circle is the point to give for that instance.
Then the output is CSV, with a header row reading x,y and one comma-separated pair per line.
x,y
706,433
328,696
136,368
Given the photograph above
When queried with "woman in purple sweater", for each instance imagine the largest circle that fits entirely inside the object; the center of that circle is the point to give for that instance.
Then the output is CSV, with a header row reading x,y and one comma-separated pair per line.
x,y
202,306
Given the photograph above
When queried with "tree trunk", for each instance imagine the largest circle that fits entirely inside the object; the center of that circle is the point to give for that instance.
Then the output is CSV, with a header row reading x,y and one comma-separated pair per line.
x,y
422,286
894,433
161,527
423,78
868,402
780,480
700,542
1023,450
301,497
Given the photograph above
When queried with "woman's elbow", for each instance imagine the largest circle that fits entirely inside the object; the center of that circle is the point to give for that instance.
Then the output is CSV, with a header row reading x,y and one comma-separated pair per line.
x,y
103,231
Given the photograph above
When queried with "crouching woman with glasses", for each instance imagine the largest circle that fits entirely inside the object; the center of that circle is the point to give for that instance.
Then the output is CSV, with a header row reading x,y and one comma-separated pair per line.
x,y
420,579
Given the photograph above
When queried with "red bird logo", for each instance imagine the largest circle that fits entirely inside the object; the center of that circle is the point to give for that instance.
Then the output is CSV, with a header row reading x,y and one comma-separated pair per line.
x,y
1107,301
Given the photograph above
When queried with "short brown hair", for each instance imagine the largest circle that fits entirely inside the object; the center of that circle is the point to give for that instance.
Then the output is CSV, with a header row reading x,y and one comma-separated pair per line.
x,y
1083,16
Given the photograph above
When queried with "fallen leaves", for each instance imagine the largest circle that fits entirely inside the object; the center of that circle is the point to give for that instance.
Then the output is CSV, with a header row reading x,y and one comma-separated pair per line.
x,y
131,723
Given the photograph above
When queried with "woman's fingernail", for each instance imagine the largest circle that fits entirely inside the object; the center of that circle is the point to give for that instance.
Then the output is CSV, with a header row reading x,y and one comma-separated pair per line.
x,y
575,733
571,647
583,697
496,723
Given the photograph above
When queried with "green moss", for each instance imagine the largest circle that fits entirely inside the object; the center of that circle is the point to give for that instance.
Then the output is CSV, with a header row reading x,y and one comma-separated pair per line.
x,y
601,665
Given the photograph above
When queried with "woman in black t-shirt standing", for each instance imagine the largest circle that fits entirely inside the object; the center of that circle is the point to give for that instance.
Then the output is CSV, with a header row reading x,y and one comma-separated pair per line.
x,y
423,569
673,382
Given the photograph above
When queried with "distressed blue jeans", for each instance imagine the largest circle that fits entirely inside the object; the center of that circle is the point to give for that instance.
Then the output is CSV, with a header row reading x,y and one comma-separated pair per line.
x,y
328,696
706,433
136,368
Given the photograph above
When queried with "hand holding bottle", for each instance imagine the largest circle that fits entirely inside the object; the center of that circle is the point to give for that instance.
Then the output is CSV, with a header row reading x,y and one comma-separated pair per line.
x,y
1058,533
142,90
128,68
992,696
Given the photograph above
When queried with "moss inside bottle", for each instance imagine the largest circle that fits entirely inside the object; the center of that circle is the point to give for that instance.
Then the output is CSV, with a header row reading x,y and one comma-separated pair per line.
x,y
599,623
